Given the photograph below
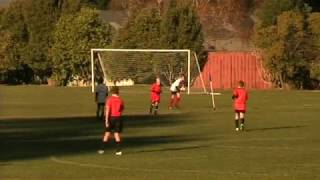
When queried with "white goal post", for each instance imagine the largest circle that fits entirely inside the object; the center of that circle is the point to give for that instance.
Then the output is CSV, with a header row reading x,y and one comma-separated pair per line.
x,y
96,53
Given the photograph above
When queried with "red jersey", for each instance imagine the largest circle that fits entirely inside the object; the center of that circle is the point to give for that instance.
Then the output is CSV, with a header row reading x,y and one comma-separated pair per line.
x,y
241,97
115,105
155,92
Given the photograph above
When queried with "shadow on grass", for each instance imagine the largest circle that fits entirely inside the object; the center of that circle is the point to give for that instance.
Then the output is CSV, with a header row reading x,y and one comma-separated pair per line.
x,y
22,139
170,149
275,128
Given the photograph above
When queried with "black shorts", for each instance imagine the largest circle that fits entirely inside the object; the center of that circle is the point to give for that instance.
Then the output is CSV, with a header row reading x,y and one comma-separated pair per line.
x,y
115,125
101,105
174,92
240,111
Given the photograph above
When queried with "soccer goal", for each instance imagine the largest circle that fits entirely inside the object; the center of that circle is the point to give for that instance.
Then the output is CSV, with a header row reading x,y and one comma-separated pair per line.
x,y
123,67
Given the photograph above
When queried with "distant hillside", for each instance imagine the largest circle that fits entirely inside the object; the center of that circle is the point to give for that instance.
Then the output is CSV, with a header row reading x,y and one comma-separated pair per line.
x,y
4,3
227,24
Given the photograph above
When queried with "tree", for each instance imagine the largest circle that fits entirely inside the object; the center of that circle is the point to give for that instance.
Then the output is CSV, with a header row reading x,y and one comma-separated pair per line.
x,y
5,42
73,37
314,25
14,33
100,4
287,41
180,29
285,47
271,9
29,27
314,4
68,6
40,18
142,31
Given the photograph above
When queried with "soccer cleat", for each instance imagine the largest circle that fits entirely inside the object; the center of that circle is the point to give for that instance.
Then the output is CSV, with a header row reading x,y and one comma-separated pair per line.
x,y
237,129
118,153
101,151
242,127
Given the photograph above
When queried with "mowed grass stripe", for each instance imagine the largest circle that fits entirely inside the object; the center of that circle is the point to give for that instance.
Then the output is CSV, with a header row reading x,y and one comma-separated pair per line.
x,y
37,123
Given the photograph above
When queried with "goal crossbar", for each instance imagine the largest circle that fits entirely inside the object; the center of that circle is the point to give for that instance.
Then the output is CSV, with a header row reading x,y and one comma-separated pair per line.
x,y
188,51
143,50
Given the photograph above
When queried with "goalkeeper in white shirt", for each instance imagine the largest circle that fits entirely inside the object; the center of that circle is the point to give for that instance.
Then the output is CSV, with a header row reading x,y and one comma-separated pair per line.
x,y
176,87
100,98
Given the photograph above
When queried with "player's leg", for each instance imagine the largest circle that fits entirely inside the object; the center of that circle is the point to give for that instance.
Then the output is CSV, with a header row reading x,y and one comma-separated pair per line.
x,y
103,111
241,116
177,100
172,99
156,106
117,137
236,118
105,140
98,110
151,108
101,107
107,135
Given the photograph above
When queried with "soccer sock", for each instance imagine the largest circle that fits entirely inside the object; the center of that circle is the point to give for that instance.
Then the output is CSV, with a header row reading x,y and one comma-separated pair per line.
x,y
151,107
118,146
177,101
171,101
102,114
103,145
155,110
242,121
237,123
97,112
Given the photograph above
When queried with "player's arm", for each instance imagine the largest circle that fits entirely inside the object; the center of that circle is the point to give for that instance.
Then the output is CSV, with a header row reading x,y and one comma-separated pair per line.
x,y
179,88
182,86
121,106
107,91
152,88
107,113
96,97
234,95
157,89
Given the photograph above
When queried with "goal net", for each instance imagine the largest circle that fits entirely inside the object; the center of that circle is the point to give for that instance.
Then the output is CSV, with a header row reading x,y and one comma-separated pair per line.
x,y
123,67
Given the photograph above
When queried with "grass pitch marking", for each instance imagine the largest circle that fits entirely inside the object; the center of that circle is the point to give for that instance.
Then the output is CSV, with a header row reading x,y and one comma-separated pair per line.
x,y
192,171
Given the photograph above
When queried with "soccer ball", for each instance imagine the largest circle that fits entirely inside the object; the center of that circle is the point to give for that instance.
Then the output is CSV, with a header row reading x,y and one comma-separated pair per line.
x,y
182,89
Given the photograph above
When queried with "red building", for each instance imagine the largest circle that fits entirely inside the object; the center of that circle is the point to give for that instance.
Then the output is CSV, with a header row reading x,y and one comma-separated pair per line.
x,y
227,68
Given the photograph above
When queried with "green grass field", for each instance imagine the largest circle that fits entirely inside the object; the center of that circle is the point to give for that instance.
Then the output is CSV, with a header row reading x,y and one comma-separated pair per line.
x,y
51,133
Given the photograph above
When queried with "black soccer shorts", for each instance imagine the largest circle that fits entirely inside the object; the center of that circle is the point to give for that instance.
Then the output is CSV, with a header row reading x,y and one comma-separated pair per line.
x,y
115,125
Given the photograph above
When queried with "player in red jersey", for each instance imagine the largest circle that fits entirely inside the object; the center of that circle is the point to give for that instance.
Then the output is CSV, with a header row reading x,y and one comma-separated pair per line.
x,y
113,121
240,97
155,96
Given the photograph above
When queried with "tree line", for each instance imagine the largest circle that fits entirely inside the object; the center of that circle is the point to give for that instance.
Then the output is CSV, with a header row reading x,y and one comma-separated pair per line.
x,y
287,34
51,39
32,33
